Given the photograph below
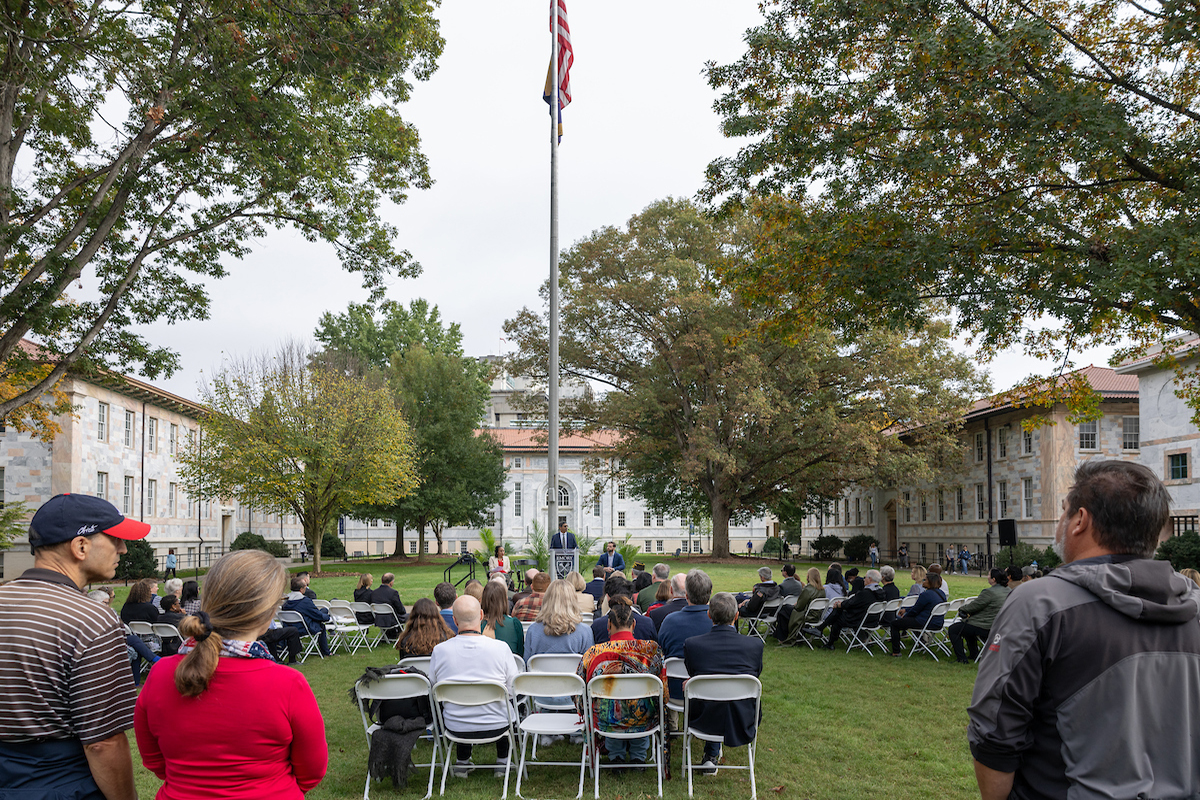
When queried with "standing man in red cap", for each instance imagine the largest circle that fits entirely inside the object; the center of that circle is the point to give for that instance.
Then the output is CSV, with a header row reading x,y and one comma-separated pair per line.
x,y
67,697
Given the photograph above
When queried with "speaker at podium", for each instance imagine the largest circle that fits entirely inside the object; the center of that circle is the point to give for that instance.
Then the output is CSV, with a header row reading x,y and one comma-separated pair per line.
x,y
1008,532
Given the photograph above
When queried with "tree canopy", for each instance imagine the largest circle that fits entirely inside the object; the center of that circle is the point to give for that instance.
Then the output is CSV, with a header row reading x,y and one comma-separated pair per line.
x,y
141,145
718,417
290,438
1023,160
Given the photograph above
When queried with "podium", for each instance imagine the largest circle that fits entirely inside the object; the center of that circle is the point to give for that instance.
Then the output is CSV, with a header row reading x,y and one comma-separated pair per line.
x,y
563,561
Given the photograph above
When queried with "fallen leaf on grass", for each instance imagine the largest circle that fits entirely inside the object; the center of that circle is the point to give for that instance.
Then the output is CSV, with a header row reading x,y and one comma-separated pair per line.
x,y
778,789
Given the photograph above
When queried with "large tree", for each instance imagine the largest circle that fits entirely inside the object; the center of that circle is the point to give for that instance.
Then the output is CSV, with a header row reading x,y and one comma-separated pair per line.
x,y
141,145
716,417
290,438
1022,159
442,395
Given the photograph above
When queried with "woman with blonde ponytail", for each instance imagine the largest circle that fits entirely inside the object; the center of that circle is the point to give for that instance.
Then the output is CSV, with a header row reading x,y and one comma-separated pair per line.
x,y
254,729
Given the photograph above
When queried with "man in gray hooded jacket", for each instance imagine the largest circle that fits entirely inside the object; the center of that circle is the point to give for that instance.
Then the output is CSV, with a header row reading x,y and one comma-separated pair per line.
x,y
1089,683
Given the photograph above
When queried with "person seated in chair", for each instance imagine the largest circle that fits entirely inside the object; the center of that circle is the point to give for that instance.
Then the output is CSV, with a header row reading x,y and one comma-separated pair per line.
x,y
918,615
766,589
314,618
723,651
386,594
850,613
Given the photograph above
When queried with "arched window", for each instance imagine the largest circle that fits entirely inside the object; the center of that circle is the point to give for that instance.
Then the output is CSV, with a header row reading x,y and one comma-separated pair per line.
x,y
564,497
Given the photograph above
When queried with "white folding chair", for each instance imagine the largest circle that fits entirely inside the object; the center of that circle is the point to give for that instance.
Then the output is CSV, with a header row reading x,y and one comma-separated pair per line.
x,y
526,625
675,668
420,662
166,631
720,689
782,614
344,627
628,687
812,616
925,639
561,663
864,635
473,694
588,616
294,619
321,604
758,624
396,687
520,662
910,601
385,620
553,724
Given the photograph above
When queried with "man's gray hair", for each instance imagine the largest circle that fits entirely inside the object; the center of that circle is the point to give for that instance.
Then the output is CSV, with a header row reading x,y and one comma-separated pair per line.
x,y
888,573
764,573
873,576
679,585
661,571
699,587
722,608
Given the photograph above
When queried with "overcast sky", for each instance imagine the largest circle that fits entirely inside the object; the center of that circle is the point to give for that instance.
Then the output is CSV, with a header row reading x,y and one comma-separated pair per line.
x,y
640,128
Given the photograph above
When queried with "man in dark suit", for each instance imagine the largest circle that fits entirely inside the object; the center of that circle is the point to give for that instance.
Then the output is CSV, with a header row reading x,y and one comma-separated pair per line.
x,y
676,603
850,613
386,594
564,539
611,560
723,651
595,587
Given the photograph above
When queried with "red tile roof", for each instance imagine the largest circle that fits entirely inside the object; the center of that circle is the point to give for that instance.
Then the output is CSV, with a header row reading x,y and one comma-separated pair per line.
x,y
533,440
1106,381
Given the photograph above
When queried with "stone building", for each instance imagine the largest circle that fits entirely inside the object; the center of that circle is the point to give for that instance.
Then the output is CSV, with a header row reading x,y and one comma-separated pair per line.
x,y
1007,472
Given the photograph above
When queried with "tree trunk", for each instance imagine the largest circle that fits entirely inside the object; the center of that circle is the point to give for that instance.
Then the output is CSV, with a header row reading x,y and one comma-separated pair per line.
x,y
399,541
314,546
420,539
720,529
437,532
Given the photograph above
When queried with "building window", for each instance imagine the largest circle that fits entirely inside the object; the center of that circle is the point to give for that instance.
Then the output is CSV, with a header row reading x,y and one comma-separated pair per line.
x,y
647,547
837,517
941,500
596,494
1027,442
518,463
425,546
1177,466
979,447
1131,432
924,509
412,546
173,439
1002,497
846,509
491,518
129,429
517,500
1002,442
102,423
620,491
646,520
152,434
858,511
462,547
172,498
102,485
1087,435
152,498
659,520
870,511
564,497
658,545
908,507
980,510
1027,496
959,506
620,519
127,496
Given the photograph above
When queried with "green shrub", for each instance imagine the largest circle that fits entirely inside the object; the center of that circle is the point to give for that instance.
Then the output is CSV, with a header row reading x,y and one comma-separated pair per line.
x,y
1182,551
248,541
137,561
857,546
1022,556
332,547
773,546
826,545
1049,559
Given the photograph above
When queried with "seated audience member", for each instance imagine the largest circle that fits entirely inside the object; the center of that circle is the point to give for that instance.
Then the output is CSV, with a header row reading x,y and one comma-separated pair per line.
x,y
723,651
855,582
314,618
691,620
918,577
647,596
526,609
530,574
850,612
789,586
386,594
498,624
835,584
610,560
622,654
138,607
1030,573
974,620
307,579
471,656
595,587
642,580
918,615
945,588
676,602
499,563
171,613
171,586
890,591
363,594
136,648
1191,574
617,589
444,595
813,588
426,629
1015,574
190,599
559,627
474,588
253,726
583,600
766,589
662,593
288,636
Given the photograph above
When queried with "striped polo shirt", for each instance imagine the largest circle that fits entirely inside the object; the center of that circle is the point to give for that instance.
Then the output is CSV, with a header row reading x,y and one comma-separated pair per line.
x,y
64,669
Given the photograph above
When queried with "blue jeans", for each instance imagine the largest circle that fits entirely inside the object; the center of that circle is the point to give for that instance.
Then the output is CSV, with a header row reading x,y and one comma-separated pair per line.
x,y
627,749
964,562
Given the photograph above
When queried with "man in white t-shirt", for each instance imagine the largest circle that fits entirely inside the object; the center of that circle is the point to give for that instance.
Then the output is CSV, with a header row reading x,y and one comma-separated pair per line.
x,y
470,656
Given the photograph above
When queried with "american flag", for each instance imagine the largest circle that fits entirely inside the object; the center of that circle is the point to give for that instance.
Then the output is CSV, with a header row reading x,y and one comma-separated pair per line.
x,y
566,57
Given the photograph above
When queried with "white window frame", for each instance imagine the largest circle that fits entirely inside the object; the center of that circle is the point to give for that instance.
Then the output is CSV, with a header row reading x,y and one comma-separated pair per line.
x,y
908,506
645,519
658,546
1090,430
102,485
1136,438
979,447
1002,443
152,497
517,500
130,424
1027,496
941,505
173,440
980,502
959,504
151,434
1026,442
620,519
172,498
127,495
518,463
858,511
102,418
1002,498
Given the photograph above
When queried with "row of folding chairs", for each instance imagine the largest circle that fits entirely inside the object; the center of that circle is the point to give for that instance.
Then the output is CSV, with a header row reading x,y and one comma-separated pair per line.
x,y
344,629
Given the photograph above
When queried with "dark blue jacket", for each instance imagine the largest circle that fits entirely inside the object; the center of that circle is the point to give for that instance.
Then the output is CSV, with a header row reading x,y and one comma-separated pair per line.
x,y
616,562
314,618
724,651
924,606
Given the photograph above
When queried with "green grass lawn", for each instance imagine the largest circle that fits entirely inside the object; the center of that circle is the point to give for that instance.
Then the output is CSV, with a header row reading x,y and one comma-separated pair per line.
x,y
835,725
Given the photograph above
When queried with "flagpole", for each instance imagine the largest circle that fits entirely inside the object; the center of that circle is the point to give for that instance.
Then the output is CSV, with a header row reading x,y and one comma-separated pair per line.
x,y
552,460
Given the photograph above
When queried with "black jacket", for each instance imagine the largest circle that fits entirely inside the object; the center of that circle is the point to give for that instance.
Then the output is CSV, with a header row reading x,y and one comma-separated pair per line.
x,y
854,608
388,595
724,651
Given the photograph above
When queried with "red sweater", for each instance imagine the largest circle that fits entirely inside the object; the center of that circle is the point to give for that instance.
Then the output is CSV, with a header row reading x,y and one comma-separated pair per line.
x,y
254,732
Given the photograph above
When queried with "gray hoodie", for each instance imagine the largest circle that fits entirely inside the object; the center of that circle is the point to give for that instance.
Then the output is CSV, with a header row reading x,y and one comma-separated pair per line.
x,y
1090,684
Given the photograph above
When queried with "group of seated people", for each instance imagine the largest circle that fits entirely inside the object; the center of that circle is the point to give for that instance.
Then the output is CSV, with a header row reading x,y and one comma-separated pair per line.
x,y
144,604
474,636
